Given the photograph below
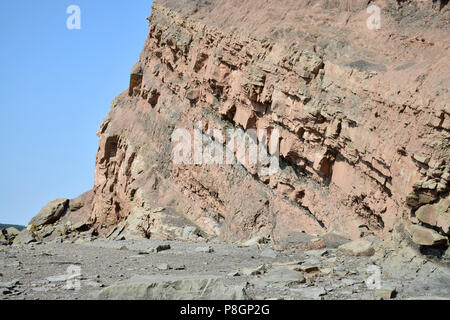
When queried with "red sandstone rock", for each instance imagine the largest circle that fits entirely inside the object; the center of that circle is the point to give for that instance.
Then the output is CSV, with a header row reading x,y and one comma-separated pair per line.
x,y
364,116
437,215
425,236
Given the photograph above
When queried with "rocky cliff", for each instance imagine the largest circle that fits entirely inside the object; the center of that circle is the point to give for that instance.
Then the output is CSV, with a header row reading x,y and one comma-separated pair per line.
x,y
363,117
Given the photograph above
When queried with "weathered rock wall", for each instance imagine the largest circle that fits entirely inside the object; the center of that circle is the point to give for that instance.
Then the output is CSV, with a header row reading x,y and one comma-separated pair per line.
x,y
364,118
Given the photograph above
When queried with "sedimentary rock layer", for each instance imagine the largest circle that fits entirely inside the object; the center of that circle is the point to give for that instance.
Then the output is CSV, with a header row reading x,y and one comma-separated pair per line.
x,y
363,116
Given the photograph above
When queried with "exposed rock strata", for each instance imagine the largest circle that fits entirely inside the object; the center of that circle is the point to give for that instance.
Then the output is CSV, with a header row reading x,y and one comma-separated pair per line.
x,y
363,115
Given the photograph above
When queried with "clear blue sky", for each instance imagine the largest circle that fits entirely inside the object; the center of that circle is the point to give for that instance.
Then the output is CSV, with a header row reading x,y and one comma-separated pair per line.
x,y
56,86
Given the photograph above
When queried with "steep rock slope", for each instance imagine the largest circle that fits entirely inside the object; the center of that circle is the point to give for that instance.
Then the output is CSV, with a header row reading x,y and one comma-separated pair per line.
x,y
363,116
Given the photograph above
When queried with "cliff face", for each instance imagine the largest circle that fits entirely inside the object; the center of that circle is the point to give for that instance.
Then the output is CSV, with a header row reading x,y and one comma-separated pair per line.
x,y
363,116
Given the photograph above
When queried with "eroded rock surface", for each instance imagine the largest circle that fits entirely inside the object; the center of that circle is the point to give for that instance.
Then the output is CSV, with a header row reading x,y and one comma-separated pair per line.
x,y
363,116
364,124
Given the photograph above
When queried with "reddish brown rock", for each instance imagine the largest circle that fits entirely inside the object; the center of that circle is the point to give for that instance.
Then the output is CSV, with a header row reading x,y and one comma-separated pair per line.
x,y
437,215
425,236
363,116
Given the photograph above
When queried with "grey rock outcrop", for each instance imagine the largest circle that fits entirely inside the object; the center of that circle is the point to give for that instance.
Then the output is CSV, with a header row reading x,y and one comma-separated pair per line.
x,y
172,288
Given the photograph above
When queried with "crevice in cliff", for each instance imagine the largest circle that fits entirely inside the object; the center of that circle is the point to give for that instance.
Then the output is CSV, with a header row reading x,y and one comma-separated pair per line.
x,y
311,215
387,179
111,146
375,221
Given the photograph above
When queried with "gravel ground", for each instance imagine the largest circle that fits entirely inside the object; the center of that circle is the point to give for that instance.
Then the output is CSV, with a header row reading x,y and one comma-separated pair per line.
x,y
40,271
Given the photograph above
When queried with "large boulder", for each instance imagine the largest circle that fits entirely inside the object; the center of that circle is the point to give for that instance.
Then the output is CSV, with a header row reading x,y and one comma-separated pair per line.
x,y
25,237
425,236
436,215
11,231
50,213
172,288
360,247
9,234
282,275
